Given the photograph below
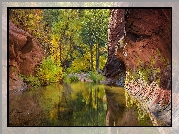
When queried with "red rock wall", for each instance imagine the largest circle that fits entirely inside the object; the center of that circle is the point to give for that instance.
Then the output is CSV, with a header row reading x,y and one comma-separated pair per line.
x,y
148,34
25,54
114,66
147,37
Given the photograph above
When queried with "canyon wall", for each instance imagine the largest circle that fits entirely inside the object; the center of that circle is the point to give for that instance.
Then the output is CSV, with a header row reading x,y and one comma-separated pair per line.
x,y
25,53
139,42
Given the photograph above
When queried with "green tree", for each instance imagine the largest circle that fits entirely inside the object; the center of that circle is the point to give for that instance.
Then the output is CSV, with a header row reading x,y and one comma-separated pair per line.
x,y
65,36
34,22
28,20
50,16
94,31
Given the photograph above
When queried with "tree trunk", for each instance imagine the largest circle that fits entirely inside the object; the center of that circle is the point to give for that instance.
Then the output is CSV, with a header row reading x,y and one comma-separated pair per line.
x,y
97,57
91,56
60,54
97,60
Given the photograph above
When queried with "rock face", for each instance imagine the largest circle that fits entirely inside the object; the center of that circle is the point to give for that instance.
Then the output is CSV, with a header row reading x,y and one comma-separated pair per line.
x,y
148,37
115,67
25,54
141,38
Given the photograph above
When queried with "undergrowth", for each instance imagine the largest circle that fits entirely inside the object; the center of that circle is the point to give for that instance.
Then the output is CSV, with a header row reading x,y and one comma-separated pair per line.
x,y
96,77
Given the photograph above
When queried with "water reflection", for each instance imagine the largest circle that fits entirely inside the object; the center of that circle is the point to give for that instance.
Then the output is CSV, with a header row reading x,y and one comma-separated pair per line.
x,y
123,110
75,104
115,105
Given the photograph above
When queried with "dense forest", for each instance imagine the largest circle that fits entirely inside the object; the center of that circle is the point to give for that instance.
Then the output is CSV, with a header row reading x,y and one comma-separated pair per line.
x,y
74,40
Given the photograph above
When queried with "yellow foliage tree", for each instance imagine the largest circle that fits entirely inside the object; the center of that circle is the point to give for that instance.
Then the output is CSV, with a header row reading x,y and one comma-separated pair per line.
x,y
65,35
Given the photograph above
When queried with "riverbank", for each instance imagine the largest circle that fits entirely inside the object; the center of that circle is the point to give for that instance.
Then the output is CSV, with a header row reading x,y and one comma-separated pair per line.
x,y
88,77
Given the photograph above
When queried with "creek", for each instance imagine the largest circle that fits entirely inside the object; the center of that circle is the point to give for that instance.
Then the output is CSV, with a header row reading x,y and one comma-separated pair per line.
x,y
75,104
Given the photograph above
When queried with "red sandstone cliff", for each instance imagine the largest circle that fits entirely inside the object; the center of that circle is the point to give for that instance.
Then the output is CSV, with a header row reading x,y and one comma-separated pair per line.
x,y
145,35
25,53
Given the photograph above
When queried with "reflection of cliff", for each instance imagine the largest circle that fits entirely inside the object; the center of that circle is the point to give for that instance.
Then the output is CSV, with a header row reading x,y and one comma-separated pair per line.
x,y
114,108
45,106
141,39
26,112
25,54
119,113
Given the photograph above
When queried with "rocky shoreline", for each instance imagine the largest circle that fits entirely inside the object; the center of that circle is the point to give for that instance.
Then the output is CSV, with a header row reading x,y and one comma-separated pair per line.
x,y
83,77
156,101
23,88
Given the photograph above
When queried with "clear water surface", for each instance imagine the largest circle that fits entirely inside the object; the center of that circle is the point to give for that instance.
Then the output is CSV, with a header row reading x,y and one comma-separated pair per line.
x,y
74,104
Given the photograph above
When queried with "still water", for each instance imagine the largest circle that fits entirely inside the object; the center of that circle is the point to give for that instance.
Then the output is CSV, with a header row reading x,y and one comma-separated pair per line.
x,y
75,104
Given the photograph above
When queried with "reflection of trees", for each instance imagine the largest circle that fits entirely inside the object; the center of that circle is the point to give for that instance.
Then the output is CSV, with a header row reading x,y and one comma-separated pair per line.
x,y
89,109
55,101
79,104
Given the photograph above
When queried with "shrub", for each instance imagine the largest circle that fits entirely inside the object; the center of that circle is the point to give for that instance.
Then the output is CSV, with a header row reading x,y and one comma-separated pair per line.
x,y
32,81
95,76
71,78
49,71
148,73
